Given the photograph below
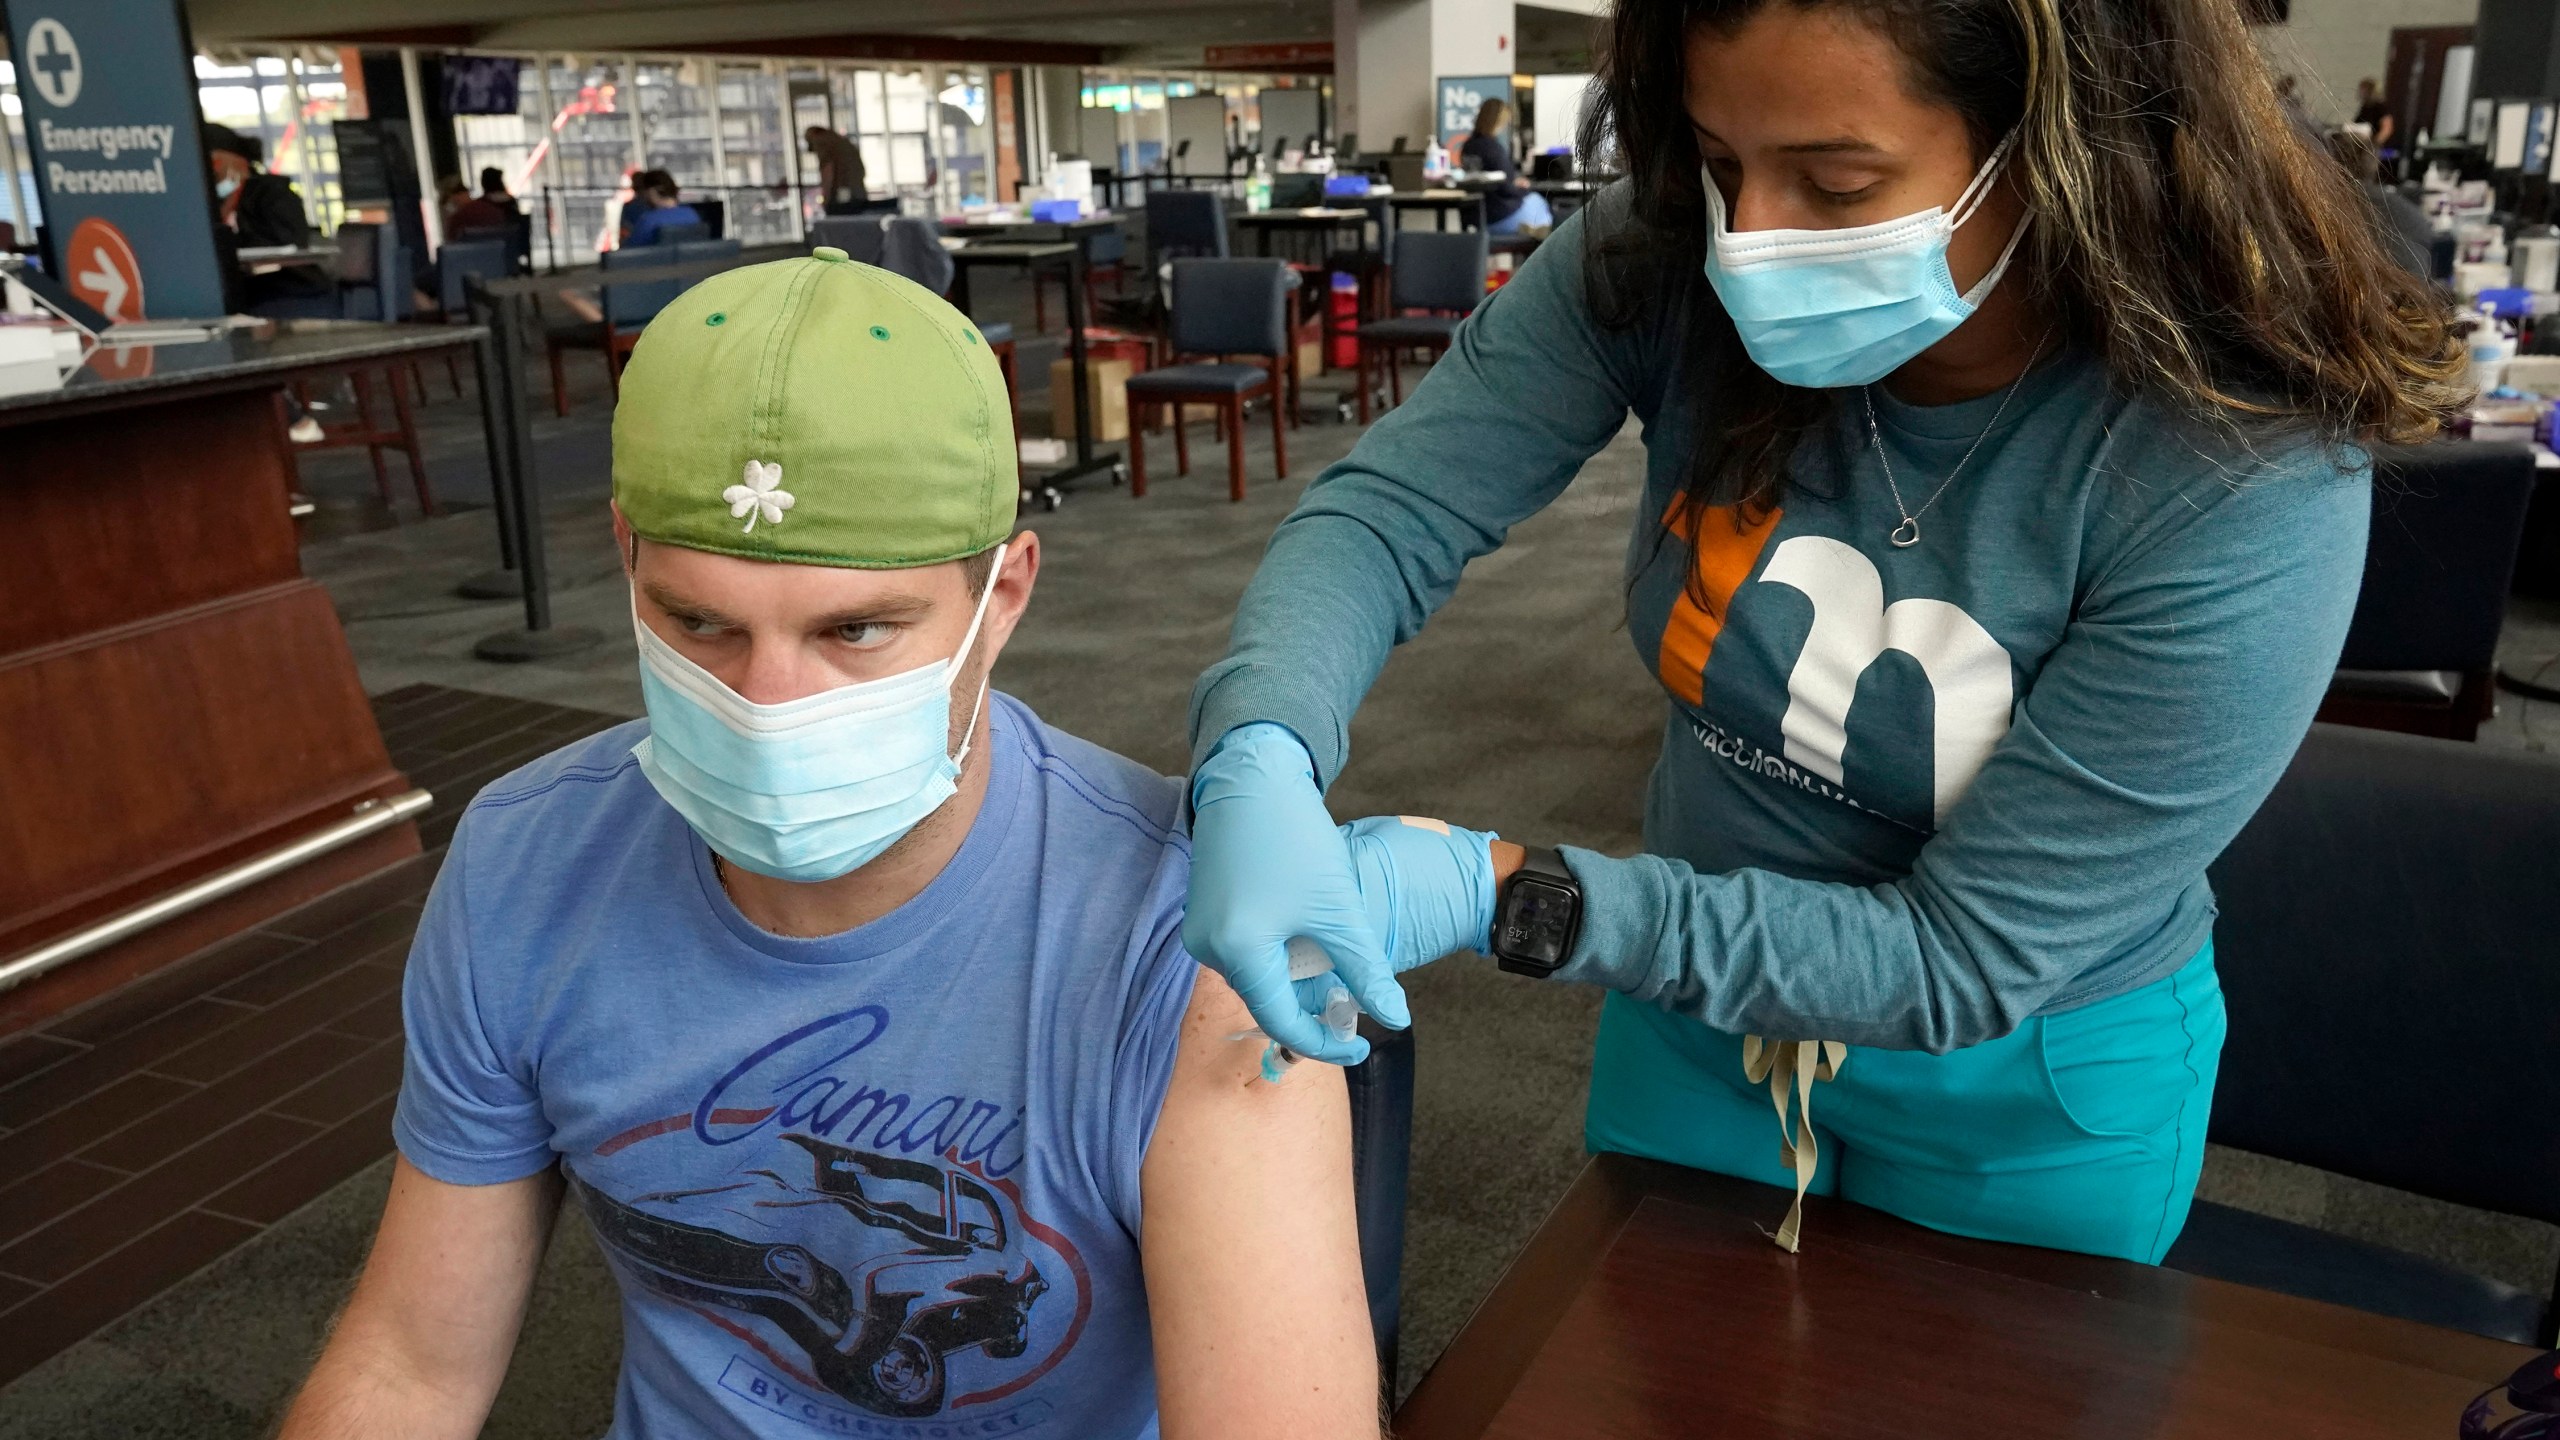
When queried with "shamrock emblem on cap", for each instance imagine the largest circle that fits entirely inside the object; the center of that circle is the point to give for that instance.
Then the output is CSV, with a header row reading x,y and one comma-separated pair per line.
x,y
761,495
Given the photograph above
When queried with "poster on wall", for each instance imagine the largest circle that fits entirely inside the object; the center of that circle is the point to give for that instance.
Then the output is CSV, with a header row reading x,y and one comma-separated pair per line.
x,y
1461,96
109,91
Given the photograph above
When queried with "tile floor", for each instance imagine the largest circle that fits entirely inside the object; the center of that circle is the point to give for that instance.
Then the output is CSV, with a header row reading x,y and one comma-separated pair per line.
x,y
163,1126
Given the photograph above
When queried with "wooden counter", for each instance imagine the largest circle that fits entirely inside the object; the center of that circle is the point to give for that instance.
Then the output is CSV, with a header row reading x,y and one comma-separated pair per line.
x,y
176,696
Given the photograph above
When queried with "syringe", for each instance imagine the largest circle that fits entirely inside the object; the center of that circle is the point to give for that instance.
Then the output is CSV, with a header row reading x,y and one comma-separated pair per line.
x,y
1341,1014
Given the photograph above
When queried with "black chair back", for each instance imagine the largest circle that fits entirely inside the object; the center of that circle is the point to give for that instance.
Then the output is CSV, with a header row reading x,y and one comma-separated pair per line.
x,y
858,236
714,213
1436,270
2447,522
1231,307
2386,945
489,259
912,246
1186,222
373,272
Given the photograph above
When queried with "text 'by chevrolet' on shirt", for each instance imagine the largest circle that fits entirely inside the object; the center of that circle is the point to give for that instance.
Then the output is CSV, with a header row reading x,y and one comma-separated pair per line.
x,y
883,1183
1907,796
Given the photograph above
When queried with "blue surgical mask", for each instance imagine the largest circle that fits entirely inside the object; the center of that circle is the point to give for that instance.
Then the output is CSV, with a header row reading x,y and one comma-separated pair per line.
x,y
809,789
223,187
1828,308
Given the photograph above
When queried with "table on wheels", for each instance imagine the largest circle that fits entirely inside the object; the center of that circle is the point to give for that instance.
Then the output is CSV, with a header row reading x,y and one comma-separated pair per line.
x,y
1069,257
1652,1303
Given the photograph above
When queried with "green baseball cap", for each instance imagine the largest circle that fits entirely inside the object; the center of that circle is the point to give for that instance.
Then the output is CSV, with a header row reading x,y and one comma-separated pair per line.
x,y
815,411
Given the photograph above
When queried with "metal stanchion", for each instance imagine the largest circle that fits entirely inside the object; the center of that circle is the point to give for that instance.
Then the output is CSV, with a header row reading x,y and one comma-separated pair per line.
x,y
507,581
539,639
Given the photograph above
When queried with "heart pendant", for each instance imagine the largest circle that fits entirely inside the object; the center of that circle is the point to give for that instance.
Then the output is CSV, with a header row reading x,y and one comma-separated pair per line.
x,y
1906,534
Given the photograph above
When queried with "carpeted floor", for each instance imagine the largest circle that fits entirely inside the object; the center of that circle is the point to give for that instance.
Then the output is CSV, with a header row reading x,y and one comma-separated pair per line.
x,y
1520,709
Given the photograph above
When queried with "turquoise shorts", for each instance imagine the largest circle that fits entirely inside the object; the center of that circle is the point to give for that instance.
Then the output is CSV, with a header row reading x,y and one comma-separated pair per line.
x,y
2079,1131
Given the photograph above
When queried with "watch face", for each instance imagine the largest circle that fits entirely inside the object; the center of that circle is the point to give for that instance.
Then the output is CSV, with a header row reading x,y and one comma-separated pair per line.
x,y
1537,922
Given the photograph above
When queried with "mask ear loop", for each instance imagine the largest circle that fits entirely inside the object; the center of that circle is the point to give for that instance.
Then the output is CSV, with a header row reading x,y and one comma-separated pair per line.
x,y
1979,189
970,735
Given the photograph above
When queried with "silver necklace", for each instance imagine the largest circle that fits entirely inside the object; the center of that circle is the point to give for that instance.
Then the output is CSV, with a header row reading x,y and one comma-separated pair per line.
x,y
1907,534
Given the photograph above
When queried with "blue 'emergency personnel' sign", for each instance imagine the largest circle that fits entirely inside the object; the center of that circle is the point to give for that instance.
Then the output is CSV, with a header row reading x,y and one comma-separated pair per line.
x,y
108,95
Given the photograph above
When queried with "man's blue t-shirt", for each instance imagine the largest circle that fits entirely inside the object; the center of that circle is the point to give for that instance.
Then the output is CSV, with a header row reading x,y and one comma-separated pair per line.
x,y
883,1183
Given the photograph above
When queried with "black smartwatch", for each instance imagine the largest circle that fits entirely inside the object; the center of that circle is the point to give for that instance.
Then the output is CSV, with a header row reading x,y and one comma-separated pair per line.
x,y
1537,916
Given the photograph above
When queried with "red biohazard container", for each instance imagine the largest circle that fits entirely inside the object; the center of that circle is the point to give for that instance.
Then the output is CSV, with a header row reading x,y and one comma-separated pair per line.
x,y
1343,305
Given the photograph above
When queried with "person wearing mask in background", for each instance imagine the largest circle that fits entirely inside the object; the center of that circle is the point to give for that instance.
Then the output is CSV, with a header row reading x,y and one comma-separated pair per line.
x,y
2406,232
841,176
843,997
653,208
493,188
1512,207
2004,371
261,211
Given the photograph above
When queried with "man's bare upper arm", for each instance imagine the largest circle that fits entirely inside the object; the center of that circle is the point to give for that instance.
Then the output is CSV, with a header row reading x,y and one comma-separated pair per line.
x,y
424,1342
1250,1231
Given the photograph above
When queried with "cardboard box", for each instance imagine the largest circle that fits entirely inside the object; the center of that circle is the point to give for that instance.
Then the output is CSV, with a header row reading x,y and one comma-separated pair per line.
x,y
1108,396
1310,359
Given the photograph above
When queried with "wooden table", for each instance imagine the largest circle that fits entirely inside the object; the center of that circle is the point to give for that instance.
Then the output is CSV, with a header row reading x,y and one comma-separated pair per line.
x,y
178,698
1651,1303
1327,220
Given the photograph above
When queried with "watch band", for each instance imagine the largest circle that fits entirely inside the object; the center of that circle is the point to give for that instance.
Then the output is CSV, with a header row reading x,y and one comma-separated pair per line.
x,y
1535,925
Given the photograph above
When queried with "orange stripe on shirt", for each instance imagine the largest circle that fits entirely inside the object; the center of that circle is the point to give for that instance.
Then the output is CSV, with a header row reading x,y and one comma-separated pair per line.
x,y
1724,550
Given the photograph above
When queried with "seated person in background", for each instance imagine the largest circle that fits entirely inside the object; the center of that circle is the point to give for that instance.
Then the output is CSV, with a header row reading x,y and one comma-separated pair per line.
x,y
653,207
262,211
467,216
1512,208
493,188
847,1000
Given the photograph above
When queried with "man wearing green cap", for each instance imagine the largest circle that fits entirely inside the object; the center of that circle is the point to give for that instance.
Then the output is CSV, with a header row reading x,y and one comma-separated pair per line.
x,y
846,999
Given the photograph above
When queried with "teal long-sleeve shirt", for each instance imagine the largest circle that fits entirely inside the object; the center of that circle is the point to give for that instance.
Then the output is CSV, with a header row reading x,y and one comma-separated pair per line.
x,y
1907,797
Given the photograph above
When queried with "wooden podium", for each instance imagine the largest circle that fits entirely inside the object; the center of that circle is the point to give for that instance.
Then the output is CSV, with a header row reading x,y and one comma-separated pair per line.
x,y
176,698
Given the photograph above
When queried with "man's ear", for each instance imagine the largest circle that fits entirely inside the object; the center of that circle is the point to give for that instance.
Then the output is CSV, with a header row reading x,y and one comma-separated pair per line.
x,y
1013,584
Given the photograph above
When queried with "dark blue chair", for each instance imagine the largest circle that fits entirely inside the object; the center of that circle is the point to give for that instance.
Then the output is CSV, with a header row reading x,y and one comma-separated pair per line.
x,y
858,236
1220,308
691,251
1185,223
628,309
1432,271
2386,951
373,273
488,259
2421,655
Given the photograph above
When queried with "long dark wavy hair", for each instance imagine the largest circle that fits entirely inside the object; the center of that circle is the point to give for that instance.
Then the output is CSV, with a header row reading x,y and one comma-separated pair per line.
x,y
2184,232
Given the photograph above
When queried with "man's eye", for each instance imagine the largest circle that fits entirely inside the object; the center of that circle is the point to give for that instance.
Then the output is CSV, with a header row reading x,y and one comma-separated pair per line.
x,y
868,635
697,627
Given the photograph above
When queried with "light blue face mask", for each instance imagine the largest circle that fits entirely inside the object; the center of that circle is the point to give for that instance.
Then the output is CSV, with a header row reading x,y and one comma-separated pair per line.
x,y
1828,308
809,789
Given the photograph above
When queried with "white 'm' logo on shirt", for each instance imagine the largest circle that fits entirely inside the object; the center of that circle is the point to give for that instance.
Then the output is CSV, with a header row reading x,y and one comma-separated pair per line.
x,y
1968,670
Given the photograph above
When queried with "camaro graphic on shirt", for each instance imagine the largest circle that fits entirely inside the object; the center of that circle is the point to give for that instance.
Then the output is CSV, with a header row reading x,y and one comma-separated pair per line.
x,y
870,1246
1967,669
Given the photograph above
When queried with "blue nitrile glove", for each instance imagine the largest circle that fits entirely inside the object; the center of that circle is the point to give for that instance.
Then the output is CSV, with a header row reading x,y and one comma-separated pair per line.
x,y
1267,864
1428,886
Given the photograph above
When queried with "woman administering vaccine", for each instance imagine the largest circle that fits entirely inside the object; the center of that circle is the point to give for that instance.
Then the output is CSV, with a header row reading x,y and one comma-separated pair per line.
x,y
2003,368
